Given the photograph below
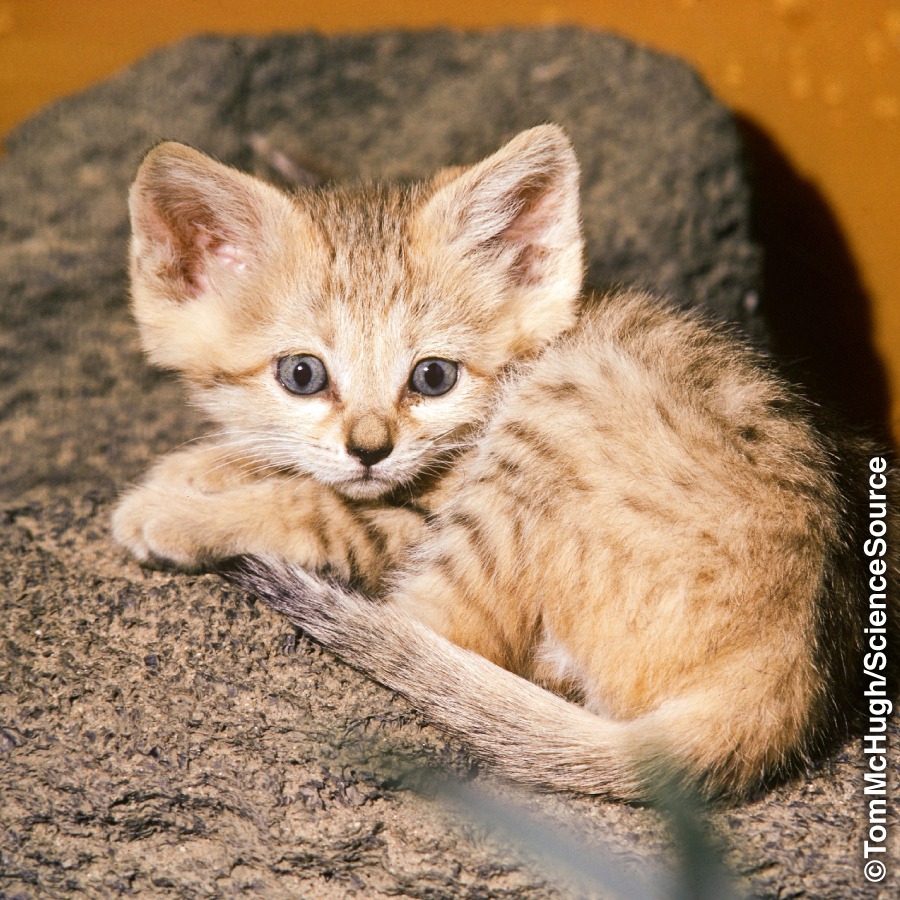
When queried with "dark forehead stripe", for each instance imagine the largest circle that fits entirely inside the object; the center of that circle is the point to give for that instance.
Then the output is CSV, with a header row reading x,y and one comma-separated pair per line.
x,y
366,227
367,212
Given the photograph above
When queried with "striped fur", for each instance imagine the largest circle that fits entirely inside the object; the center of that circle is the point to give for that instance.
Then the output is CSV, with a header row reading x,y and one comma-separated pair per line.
x,y
617,549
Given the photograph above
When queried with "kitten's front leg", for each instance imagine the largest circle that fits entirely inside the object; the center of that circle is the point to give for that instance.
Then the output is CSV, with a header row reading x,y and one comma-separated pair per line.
x,y
200,506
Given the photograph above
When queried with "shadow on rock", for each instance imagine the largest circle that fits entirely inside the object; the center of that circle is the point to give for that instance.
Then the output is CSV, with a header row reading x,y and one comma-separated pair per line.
x,y
816,305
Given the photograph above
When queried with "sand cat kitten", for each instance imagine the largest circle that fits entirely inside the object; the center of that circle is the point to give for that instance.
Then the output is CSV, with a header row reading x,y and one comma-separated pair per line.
x,y
607,497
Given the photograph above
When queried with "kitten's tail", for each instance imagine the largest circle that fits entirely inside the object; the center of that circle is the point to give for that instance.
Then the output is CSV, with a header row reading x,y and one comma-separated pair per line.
x,y
526,733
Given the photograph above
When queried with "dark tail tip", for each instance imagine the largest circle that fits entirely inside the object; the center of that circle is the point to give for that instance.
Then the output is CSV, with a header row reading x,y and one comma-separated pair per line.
x,y
250,573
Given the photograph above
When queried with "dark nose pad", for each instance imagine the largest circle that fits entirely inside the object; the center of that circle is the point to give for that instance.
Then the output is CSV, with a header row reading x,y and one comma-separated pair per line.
x,y
369,439
368,456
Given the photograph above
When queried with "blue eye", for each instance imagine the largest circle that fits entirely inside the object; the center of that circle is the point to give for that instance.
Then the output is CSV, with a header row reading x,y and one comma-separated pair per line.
x,y
433,377
301,374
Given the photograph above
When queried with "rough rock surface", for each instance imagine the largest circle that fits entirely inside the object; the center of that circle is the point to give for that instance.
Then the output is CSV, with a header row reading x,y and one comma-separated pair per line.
x,y
161,733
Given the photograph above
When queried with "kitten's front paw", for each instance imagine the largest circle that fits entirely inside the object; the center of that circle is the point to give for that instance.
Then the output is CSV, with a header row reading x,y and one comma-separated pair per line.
x,y
157,531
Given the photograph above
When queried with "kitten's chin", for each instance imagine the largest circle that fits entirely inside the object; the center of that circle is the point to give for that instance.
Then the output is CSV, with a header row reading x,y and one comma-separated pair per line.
x,y
370,488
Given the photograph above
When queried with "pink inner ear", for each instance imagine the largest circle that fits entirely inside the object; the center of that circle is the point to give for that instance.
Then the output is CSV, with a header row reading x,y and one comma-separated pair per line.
x,y
231,255
538,207
537,216
198,247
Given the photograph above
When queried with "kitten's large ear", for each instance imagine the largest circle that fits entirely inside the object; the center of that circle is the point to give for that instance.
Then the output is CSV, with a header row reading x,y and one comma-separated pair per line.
x,y
201,232
517,214
192,216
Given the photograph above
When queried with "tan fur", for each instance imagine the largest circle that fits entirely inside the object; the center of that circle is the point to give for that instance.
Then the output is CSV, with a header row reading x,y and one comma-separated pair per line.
x,y
615,501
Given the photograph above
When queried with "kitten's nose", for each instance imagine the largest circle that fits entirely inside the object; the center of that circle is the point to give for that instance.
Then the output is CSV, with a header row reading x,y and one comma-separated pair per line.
x,y
370,439
368,456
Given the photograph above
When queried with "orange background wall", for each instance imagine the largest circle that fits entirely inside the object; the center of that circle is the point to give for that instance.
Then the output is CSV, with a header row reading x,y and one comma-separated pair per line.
x,y
817,83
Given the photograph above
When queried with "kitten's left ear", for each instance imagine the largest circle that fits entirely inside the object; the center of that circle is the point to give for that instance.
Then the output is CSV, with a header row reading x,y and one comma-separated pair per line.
x,y
516,215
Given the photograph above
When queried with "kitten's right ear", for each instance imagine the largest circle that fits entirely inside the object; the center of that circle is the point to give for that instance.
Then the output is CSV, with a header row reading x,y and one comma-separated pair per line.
x,y
192,216
202,233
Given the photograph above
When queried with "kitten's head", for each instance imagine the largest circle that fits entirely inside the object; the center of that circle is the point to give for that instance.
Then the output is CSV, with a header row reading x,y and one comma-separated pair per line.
x,y
355,335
